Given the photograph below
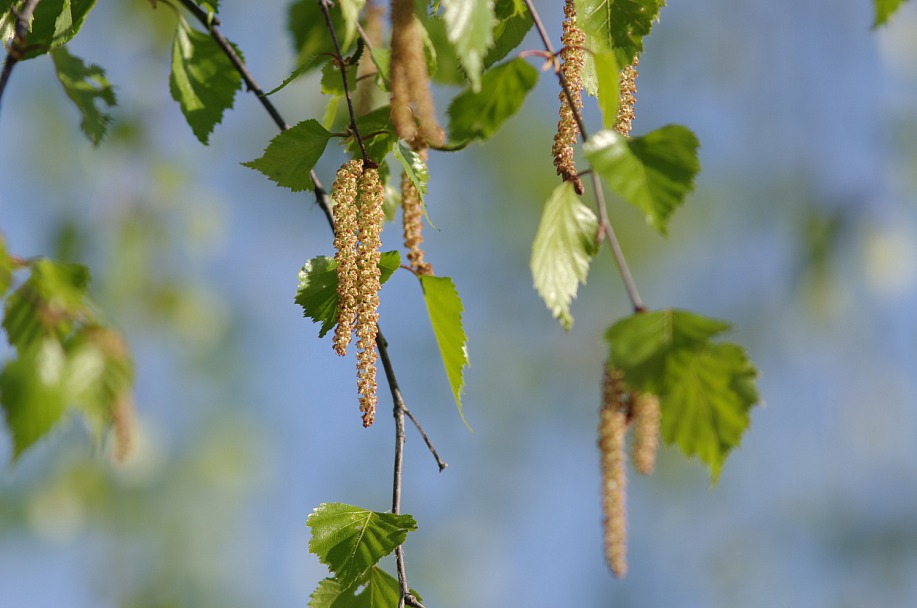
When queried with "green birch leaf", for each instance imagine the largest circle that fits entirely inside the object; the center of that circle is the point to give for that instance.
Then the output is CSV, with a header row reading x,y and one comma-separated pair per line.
x,y
318,287
33,393
653,172
562,251
444,64
378,135
85,85
413,166
203,80
55,23
607,91
350,540
706,388
376,589
47,304
620,25
291,155
884,10
478,115
512,26
332,83
382,59
469,26
445,309
209,5
304,67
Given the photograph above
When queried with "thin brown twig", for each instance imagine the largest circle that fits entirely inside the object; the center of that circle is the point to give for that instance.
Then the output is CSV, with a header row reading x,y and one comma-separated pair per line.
x,y
605,226
17,46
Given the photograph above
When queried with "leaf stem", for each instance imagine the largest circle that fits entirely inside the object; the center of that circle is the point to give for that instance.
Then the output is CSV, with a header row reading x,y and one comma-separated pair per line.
x,y
17,46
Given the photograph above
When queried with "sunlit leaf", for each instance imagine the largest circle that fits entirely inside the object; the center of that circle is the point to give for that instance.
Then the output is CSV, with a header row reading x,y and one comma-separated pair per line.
x,y
6,268
318,287
607,86
653,172
885,9
445,309
55,23
478,115
203,80
706,388
469,26
351,12
413,166
511,28
617,24
376,589
291,155
350,540
33,393
562,251
85,85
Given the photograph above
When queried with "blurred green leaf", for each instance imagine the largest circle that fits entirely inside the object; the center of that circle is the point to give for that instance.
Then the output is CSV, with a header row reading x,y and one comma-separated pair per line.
x,y
318,287
332,83
653,172
608,88
6,268
350,540
563,249
445,309
311,40
706,389
469,26
478,115
33,393
511,28
884,10
378,135
203,80
85,85
350,9
291,155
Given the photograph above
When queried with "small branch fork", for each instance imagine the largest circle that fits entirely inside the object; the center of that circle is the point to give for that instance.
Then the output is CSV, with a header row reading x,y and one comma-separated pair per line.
x,y
212,24
17,46
605,229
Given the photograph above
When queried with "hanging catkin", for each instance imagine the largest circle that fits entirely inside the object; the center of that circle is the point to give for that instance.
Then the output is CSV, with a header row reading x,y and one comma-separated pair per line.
x,y
645,418
412,216
627,97
411,100
573,58
612,430
344,196
370,220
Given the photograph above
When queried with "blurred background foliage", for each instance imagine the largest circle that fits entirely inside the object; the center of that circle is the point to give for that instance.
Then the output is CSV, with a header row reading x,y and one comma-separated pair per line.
x,y
803,232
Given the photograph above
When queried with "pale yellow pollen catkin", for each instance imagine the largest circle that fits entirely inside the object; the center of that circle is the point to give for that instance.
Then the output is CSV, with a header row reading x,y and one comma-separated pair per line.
x,y
627,99
412,217
371,218
124,425
612,431
573,59
344,197
646,416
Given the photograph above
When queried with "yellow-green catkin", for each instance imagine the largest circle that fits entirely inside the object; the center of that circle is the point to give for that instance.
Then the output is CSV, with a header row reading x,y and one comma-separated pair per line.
x,y
412,216
370,220
612,430
411,98
646,416
344,196
573,57
627,98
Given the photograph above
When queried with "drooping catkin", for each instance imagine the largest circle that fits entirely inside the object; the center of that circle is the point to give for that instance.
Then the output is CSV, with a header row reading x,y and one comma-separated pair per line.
x,y
627,98
612,430
370,220
573,58
365,95
645,418
412,216
124,425
344,195
411,100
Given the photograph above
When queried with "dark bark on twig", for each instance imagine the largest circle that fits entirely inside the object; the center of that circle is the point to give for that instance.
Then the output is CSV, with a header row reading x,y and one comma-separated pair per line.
x,y
17,46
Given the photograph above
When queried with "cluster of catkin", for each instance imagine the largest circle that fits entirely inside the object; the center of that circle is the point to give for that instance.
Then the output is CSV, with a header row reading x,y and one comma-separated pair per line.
x,y
413,113
358,219
573,57
623,408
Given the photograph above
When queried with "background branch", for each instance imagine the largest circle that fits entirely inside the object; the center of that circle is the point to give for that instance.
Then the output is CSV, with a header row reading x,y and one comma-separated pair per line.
x,y
17,46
